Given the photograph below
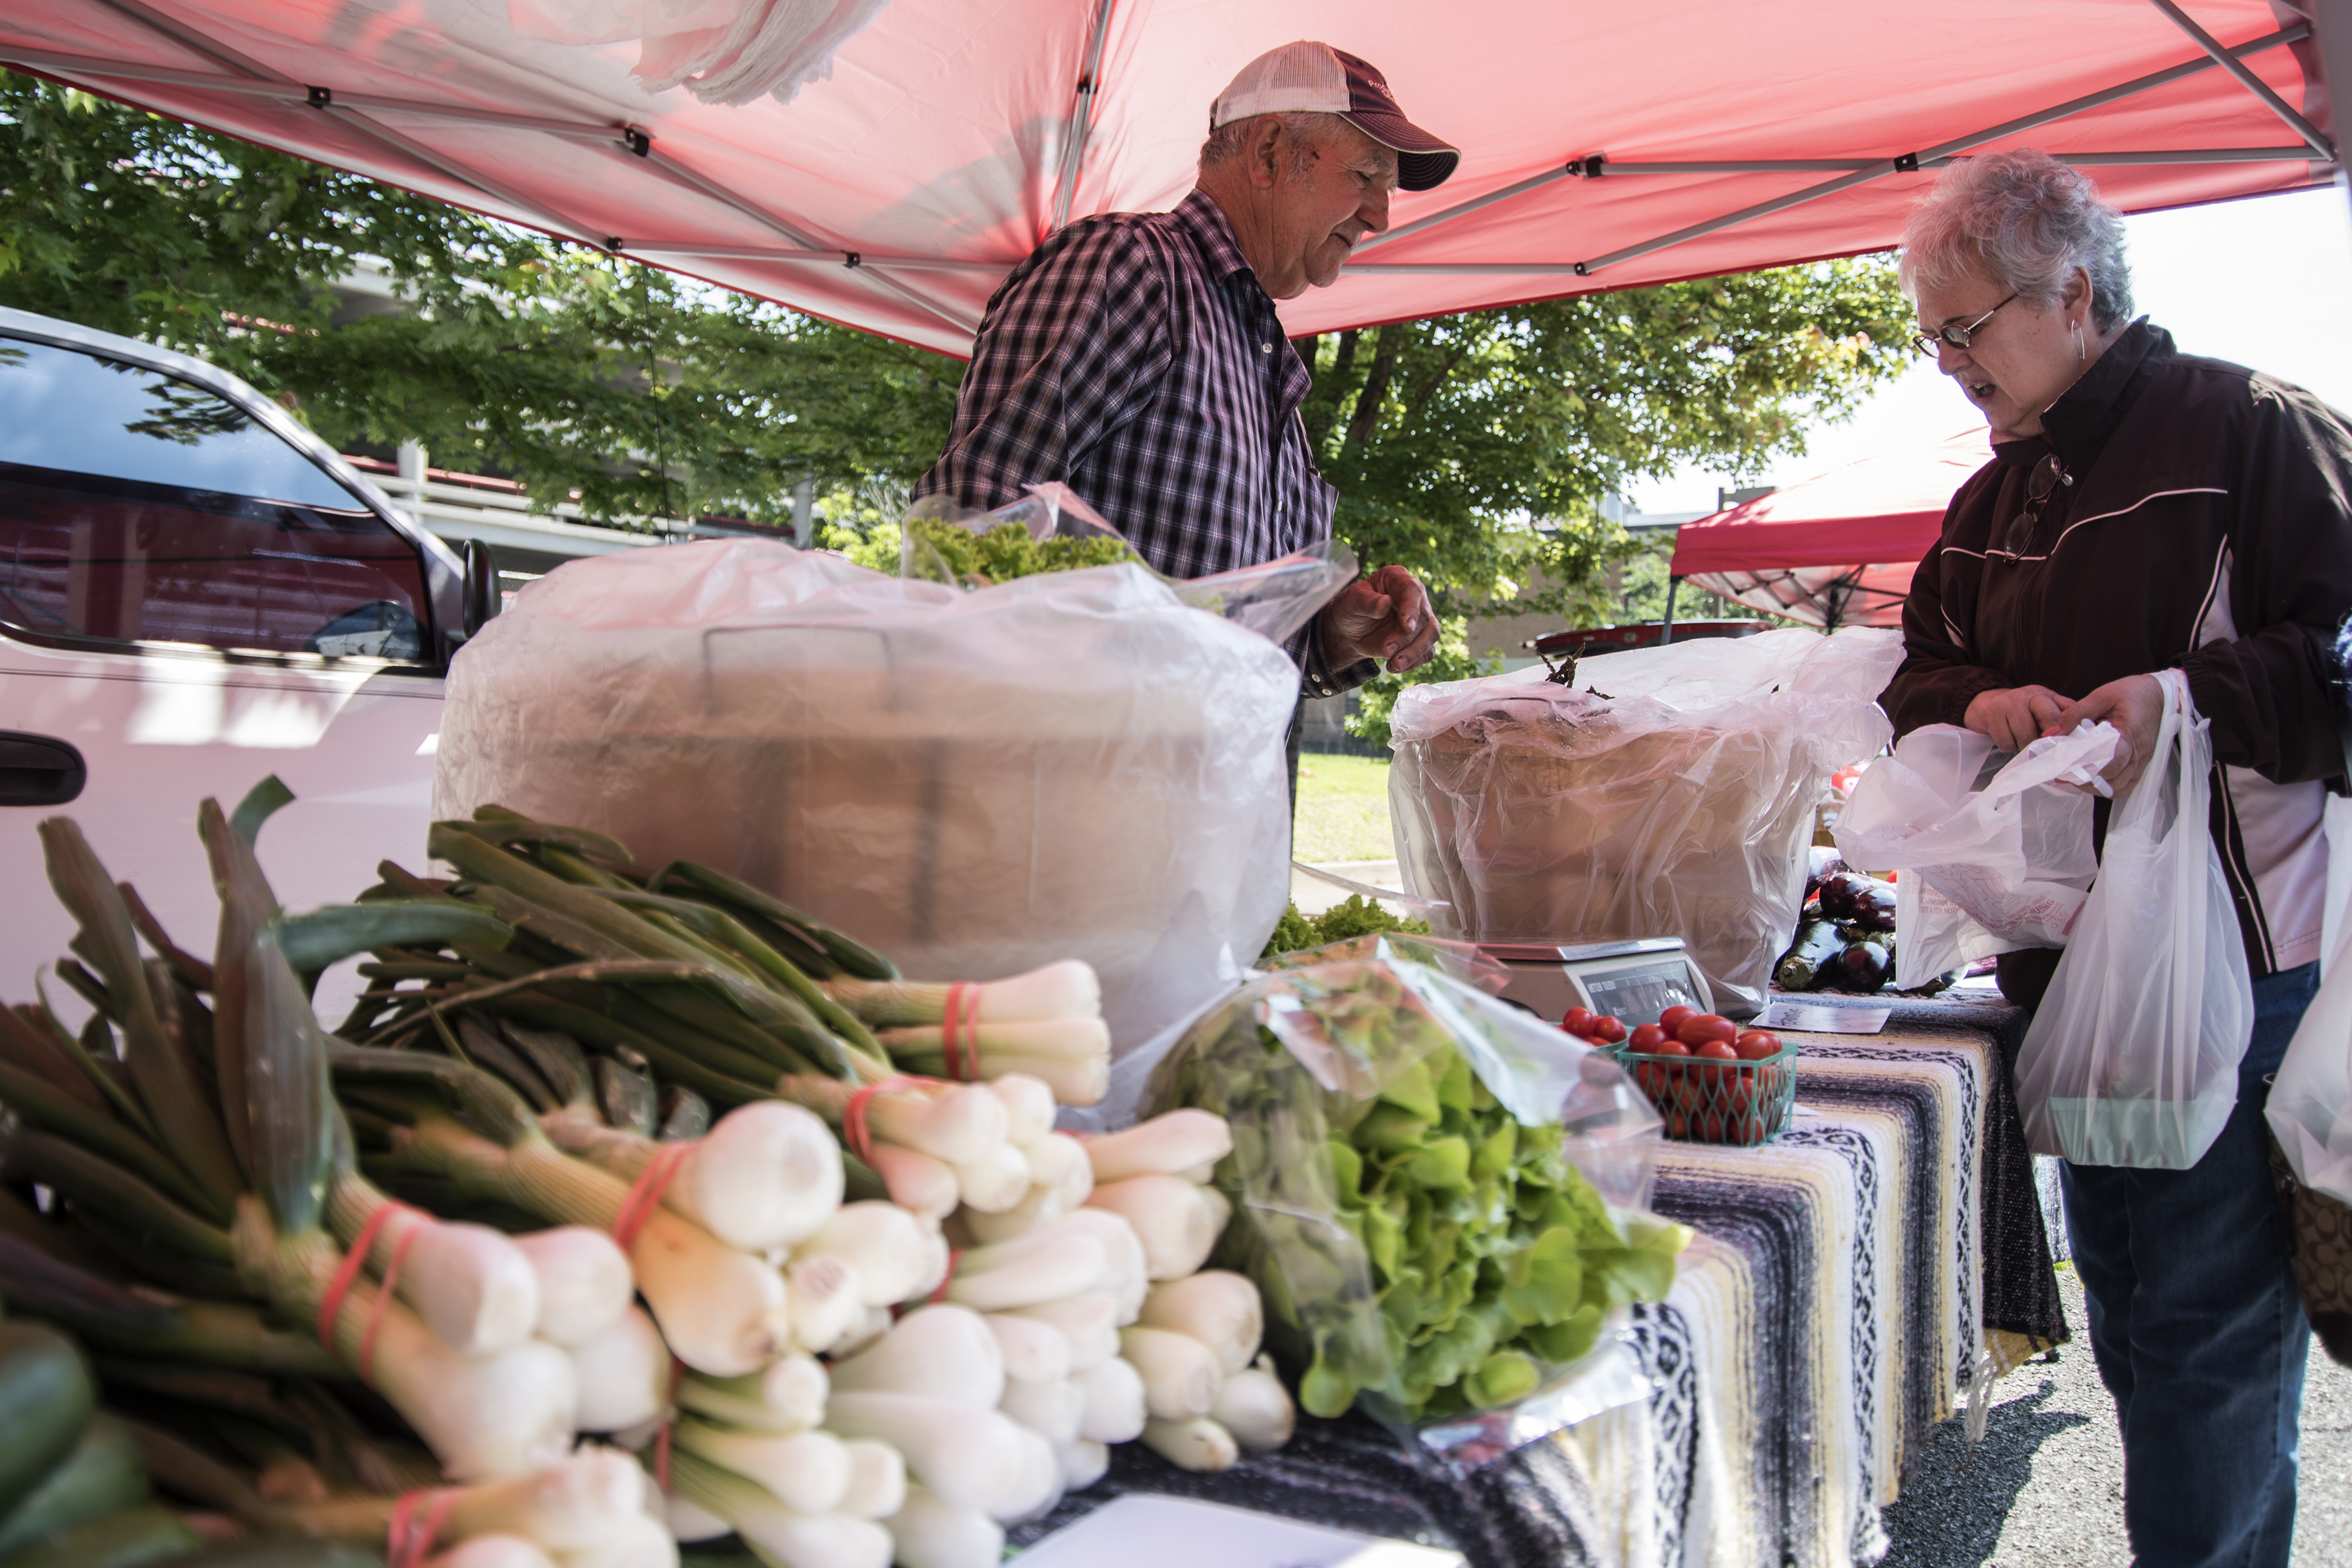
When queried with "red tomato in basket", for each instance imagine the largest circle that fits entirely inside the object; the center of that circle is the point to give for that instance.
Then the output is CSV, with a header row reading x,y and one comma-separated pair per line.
x,y
1678,1125
1579,1021
1700,1027
1757,1045
1612,1030
1646,1038
1715,1050
1711,1127
1670,1046
1672,1018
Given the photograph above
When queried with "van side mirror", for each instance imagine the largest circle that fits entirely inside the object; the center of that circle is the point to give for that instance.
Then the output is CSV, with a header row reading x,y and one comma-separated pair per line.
x,y
481,600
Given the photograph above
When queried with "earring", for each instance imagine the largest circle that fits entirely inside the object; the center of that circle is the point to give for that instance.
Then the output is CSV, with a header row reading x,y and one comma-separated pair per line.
x,y
2080,352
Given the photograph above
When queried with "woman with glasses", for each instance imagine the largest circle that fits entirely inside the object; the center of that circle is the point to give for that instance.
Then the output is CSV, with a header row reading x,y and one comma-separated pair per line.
x,y
2145,510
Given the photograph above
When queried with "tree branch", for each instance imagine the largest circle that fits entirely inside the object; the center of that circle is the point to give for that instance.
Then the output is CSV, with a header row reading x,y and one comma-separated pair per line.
x,y
1376,387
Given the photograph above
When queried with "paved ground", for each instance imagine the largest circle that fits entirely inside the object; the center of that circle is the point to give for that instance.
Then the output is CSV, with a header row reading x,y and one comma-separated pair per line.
x,y
2046,1486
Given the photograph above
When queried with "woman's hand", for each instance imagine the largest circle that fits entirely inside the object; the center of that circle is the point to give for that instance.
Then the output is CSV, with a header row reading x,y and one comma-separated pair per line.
x,y
2016,717
2134,705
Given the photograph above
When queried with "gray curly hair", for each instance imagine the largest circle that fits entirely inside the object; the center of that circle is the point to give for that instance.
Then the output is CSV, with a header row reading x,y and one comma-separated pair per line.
x,y
1306,128
2027,219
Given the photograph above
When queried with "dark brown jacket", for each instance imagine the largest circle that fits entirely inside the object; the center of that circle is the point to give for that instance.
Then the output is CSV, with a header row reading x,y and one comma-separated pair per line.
x,y
2208,525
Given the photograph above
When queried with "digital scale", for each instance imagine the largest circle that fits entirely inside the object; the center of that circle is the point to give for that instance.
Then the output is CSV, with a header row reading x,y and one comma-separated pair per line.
x,y
1634,980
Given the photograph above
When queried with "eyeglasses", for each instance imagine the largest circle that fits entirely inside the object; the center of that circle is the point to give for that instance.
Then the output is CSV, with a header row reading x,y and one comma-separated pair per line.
x,y
1931,344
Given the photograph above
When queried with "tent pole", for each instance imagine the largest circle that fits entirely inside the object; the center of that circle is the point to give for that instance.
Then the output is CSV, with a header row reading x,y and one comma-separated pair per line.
x,y
2332,24
2295,123
1666,626
1081,122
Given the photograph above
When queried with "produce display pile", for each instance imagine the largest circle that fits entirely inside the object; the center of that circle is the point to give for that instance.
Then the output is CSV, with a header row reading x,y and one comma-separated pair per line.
x,y
1353,917
1414,1239
1845,938
1684,1063
1001,554
630,1152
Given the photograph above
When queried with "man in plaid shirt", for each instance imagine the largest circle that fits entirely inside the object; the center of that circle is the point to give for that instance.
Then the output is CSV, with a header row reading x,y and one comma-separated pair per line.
x,y
1137,357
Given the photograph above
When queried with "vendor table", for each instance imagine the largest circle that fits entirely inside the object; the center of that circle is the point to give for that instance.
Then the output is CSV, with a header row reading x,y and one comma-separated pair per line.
x,y
1850,1281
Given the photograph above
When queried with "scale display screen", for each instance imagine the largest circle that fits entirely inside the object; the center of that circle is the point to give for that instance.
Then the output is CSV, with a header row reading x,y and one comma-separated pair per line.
x,y
1640,994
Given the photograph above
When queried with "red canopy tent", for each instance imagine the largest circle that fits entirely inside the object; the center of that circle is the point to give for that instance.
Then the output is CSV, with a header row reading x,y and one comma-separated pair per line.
x,y
1605,145
1838,550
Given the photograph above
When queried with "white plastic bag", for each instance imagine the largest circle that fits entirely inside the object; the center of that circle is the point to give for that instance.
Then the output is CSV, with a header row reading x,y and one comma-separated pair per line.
x,y
1995,851
1072,766
2310,1108
1670,793
2133,1058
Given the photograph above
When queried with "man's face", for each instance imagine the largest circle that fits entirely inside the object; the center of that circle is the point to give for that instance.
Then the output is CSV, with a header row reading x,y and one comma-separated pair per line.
x,y
1328,194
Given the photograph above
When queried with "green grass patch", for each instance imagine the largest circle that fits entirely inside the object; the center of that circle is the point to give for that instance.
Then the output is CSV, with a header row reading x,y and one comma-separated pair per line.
x,y
1343,809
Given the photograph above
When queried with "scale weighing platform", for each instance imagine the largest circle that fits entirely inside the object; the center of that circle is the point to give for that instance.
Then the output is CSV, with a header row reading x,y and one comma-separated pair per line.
x,y
1634,981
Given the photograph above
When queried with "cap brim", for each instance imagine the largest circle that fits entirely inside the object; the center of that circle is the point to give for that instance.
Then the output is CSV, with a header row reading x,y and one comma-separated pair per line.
x,y
1423,163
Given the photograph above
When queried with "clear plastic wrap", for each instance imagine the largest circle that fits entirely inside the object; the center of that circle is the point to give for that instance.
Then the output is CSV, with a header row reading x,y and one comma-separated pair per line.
x,y
1460,1291
1075,765
1671,794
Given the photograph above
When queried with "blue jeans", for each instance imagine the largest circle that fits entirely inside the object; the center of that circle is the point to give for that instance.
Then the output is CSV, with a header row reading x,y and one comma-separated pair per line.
x,y
2198,1327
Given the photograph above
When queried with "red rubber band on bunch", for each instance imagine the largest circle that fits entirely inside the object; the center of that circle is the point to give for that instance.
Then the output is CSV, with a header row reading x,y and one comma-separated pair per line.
x,y
645,1196
382,1300
960,1027
408,1540
663,1438
853,1116
347,1274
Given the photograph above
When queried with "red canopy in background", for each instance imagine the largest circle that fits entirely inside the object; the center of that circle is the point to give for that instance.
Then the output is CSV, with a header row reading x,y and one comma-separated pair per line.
x,y
1605,145
1837,550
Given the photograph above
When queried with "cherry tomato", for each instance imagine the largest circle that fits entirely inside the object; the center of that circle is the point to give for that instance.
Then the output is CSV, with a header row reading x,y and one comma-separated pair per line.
x,y
1710,1126
1700,1027
1671,1020
1612,1030
1678,1126
1579,1020
1757,1045
1670,1047
1646,1038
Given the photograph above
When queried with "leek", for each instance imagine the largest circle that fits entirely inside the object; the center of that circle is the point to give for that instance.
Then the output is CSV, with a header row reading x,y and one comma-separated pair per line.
x,y
623,1374
887,1247
1045,1266
941,1352
773,1531
931,1532
877,1479
584,1282
472,1285
767,1174
1176,1222
1168,1145
785,1397
1218,1309
1197,1444
808,1472
971,1457
1180,1373
1066,989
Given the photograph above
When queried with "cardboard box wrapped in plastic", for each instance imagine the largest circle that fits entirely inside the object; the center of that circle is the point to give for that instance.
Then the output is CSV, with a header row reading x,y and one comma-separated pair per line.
x,y
975,782
1670,792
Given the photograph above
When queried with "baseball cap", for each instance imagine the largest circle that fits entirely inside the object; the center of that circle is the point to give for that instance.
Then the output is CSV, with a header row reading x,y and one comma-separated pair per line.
x,y
1308,77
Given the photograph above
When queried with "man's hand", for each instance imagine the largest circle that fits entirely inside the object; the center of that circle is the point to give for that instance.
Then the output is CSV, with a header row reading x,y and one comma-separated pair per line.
x,y
2016,717
1385,615
2134,705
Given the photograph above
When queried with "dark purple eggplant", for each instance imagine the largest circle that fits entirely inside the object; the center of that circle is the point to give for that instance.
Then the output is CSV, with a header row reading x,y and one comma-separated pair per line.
x,y
1865,967
1851,896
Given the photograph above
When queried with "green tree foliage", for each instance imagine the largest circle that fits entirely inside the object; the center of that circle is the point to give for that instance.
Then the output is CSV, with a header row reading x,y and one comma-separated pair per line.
x,y
570,370
1472,448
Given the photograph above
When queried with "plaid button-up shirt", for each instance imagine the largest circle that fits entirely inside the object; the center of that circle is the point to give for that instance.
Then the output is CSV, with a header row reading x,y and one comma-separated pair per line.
x,y
1135,358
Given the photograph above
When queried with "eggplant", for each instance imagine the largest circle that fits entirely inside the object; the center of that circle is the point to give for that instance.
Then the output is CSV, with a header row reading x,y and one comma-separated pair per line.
x,y
1851,896
1821,863
1817,947
1865,967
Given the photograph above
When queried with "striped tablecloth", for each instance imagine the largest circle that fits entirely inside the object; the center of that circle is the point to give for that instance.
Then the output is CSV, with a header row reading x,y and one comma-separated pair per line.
x,y
1833,1309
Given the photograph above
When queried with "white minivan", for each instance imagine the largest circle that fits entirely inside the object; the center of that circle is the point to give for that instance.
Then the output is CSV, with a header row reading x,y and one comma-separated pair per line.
x,y
197,593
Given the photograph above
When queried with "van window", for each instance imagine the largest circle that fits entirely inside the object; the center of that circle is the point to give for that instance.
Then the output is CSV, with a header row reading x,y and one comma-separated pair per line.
x,y
138,507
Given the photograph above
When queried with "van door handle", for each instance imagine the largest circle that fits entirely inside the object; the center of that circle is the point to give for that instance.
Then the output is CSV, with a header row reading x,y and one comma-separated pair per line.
x,y
38,770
